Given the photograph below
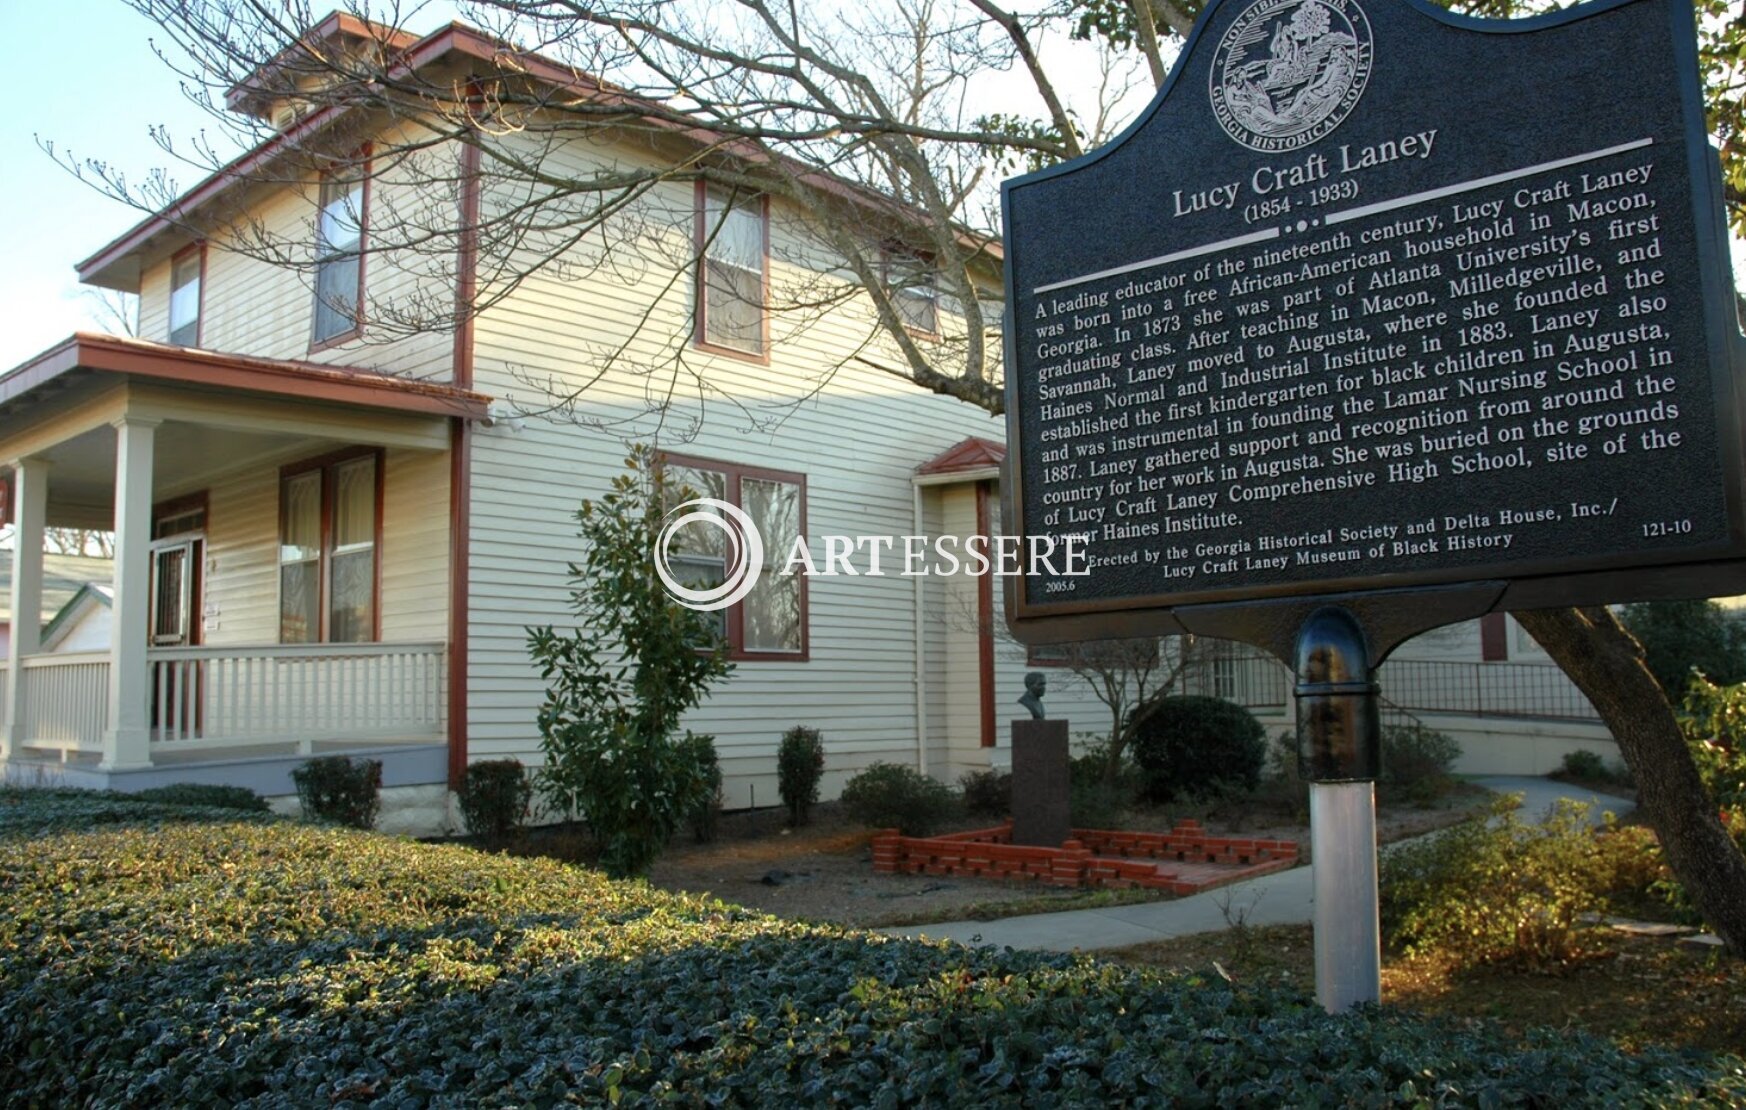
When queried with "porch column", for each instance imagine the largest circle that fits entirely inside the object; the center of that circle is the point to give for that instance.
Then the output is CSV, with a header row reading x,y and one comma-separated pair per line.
x,y
127,743
30,510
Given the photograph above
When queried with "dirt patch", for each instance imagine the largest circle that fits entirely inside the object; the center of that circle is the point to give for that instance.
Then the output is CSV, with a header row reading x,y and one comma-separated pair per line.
x,y
1647,990
823,871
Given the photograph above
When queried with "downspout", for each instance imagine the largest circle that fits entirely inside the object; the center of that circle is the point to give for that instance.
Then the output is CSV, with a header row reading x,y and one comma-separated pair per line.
x,y
461,468
921,669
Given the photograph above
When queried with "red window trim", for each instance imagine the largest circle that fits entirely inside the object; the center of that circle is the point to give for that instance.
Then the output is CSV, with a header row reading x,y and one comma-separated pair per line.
x,y
325,464
700,330
361,157
736,632
886,252
176,506
200,302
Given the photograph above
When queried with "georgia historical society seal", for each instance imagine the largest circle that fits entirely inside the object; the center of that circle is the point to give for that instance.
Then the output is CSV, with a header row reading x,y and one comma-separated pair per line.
x,y
1289,71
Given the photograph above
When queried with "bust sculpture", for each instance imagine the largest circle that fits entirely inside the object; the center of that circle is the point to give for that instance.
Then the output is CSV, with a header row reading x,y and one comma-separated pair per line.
x,y
1036,682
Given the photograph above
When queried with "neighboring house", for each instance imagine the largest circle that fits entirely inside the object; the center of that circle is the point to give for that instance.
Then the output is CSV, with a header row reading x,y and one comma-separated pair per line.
x,y
74,601
333,540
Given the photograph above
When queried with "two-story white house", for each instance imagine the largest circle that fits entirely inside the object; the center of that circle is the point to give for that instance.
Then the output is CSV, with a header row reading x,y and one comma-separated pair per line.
x,y
333,530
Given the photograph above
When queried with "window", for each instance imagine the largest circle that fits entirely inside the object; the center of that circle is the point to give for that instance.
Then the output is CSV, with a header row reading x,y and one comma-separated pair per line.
x,y
339,254
330,533
187,279
771,622
914,289
733,234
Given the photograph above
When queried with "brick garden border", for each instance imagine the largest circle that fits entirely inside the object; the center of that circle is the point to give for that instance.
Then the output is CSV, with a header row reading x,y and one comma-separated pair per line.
x,y
1091,858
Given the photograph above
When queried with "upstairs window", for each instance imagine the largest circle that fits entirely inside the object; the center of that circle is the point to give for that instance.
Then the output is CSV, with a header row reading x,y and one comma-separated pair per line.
x,y
330,528
914,290
771,622
187,273
339,254
733,235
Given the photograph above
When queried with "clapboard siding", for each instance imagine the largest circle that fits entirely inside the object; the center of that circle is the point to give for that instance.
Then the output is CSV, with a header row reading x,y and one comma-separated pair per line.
x,y
258,307
856,434
242,543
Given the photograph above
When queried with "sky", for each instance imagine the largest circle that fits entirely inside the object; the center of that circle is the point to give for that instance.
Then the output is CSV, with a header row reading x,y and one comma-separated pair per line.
x,y
104,108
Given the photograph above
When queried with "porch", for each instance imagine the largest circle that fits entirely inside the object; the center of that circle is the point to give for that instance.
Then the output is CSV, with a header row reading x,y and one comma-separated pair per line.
x,y
220,703
282,556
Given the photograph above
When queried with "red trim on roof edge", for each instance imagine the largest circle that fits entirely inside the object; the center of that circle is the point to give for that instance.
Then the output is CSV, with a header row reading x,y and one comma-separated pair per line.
x,y
974,453
309,380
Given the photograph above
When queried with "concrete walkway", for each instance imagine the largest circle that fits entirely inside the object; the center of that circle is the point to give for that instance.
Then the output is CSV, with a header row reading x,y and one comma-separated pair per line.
x,y
1283,898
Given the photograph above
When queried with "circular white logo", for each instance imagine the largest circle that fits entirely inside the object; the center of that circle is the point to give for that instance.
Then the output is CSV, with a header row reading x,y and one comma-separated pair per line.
x,y
743,553
1288,72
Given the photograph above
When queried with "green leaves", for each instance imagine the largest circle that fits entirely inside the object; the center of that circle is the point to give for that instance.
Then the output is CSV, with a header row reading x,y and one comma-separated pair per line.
x,y
211,961
619,684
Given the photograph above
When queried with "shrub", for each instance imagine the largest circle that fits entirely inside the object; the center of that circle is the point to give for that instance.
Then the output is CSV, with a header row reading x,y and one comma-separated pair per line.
x,y
1096,800
495,795
1281,785
340,789
986,793
1585,766
800,764
1416,763
203,794
706,813
888,795
1199,748
275,964
618,684
1494,889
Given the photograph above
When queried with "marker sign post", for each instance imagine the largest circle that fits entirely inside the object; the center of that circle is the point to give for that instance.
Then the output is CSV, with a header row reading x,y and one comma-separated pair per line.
x,y
1379,318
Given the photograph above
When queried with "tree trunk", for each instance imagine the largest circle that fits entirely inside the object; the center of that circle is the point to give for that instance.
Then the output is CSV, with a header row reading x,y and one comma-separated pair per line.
x,y
1606,663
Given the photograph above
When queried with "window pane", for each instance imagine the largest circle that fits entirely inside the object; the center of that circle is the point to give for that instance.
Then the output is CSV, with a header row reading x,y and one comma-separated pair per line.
x,y
918,307
301,518
299,602
300,559
733,279
185,300
351,618
342,216
354,504
772,609
336,297
338,238
735,237
734,313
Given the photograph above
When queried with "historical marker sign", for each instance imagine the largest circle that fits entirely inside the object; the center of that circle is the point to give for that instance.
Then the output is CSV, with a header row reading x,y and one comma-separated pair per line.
x,y
1375,297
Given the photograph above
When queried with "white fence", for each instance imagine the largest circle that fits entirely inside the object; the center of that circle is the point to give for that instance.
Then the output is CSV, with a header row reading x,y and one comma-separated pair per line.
x,y
224,697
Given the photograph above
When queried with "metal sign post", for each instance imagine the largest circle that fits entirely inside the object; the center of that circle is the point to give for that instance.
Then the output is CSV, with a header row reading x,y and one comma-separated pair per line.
x,y
1339,736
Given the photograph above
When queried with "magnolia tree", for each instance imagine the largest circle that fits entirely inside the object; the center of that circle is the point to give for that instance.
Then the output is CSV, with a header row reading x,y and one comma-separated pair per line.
x,y
876,125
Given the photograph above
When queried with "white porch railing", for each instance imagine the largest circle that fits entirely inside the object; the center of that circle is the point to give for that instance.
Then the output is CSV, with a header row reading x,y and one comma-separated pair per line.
x,y
65,702
227,697
209,697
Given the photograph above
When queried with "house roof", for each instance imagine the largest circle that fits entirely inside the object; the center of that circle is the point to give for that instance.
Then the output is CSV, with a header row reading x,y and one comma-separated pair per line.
x,y
116,265
83,353
63,578
973,454
89,596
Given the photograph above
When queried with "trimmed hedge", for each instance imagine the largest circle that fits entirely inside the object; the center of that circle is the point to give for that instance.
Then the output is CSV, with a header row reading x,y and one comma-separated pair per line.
x,y
242,963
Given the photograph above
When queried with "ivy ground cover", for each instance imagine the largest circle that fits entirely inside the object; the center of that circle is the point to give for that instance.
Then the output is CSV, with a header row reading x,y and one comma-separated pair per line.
x,y
164,955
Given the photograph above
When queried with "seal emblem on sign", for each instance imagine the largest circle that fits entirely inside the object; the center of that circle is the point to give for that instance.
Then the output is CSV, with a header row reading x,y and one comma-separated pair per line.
x,y
1288,72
